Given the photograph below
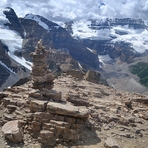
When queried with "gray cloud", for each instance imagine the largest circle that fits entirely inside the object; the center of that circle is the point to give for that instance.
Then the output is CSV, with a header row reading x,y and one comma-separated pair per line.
x,y
62,10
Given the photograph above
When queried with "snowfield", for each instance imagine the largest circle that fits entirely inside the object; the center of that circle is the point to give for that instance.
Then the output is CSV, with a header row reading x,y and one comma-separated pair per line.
x,y
137,38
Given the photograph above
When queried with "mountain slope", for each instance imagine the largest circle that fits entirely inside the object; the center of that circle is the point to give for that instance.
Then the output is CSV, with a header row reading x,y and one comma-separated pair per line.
x,y
118,43
108,45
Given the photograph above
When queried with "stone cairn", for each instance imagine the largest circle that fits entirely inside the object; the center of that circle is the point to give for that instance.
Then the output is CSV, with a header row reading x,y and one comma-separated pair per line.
x,y
40,109
42,76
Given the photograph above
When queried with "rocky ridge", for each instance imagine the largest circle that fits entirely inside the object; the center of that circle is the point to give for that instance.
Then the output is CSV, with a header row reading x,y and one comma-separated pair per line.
x,y
85,114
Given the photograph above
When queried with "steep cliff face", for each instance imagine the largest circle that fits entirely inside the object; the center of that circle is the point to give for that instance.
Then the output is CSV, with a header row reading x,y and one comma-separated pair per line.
x,y
115,37
108,23
54,36
10,70
14,21
4,60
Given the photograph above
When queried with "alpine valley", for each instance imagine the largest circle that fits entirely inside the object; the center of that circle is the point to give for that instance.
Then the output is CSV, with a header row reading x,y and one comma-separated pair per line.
x,y
116,48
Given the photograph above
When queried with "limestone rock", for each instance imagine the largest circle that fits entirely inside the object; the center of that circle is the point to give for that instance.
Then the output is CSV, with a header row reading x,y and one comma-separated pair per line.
x,y
52,94
13,131
35,94
128,104
77,100
2,95
75,73
111,143
46,136
42,117
37,106
141,100
92,76
67,110
11,108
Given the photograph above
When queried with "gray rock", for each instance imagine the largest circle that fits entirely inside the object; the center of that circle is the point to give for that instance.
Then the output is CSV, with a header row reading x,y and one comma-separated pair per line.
x,y
110,143
13,131
92,76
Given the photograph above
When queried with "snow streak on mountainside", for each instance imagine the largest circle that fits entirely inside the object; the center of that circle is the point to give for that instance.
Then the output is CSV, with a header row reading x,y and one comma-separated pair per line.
x,y
13,41
137,38
39,21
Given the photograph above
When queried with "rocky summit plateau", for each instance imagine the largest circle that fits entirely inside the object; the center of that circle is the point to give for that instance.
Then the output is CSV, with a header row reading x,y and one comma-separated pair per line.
x,y
71,110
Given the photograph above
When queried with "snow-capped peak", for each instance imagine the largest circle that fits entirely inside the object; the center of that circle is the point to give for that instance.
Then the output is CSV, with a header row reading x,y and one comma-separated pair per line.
x,y
115,33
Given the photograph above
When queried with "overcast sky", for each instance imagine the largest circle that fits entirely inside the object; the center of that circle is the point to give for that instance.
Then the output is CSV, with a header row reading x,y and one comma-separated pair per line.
x,y
78,9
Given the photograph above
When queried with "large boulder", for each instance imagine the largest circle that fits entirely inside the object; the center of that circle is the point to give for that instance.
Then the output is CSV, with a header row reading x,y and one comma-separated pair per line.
x,y
110,143
75,73
13,131
92,76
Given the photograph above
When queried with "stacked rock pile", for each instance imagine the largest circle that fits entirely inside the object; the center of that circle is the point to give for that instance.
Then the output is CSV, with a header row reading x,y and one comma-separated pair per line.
x,y
42,76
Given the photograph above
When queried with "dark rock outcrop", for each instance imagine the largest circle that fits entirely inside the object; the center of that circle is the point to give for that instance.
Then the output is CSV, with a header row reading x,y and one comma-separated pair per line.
x,y
56,37
14,21
92,76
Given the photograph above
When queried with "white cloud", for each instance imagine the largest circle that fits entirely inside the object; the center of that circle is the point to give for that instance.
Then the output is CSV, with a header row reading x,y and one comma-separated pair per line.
x,y
78,9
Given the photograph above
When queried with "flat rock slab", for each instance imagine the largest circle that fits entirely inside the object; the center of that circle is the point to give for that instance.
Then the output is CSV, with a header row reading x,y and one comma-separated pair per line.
x,y
13,131
67,110
141,100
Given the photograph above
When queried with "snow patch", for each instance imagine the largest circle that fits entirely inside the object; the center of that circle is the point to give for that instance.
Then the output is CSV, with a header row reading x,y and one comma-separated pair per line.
x,y
82,30
89,49
136,37
104,58
80,65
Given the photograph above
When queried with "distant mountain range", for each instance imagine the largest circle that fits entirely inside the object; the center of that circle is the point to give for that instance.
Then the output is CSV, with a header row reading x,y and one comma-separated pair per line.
x,y
108,46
